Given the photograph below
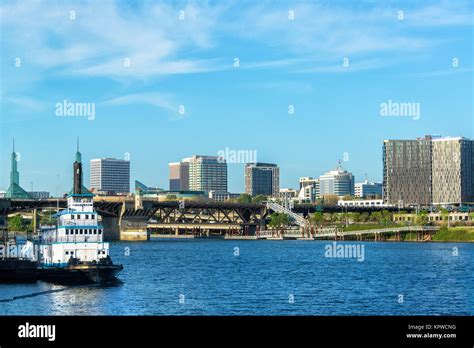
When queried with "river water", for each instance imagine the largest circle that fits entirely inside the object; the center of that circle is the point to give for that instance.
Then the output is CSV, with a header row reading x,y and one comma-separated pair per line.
x,y
228,277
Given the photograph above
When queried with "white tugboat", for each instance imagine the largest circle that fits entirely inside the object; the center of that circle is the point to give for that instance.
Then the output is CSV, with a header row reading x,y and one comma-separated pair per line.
x,y
74,250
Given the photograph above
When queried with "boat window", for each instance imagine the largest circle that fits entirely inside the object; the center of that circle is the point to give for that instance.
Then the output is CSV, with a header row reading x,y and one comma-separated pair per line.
x,y
87,216
81,231
67,252
78,216
95,231
76,232
100,231
92,216
72,216
67,232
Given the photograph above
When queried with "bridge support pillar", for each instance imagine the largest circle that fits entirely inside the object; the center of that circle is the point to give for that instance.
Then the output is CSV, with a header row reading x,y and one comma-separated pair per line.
x,y
134,228
35,220
111,228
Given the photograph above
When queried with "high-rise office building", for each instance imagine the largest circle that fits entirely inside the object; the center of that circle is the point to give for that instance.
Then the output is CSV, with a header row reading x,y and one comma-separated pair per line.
x,y
207,173
452,168
368,189
337,182
407,171
179,175
429,170
262,179
110,175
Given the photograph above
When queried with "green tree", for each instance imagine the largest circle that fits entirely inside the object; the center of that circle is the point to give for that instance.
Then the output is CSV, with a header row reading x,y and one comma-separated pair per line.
x,y
259,198
421,218
386,217
471,216
279,220
364,217
317,218
330,200
356,217
376,216
15,223
46,218
444,216
171,198
244,198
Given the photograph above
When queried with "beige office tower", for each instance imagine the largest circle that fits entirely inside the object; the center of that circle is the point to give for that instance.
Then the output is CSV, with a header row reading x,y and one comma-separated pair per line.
x,y
179,175
452,171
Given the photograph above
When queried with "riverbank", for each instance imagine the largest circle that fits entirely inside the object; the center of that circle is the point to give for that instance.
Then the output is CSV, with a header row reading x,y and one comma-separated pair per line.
x,y
455,234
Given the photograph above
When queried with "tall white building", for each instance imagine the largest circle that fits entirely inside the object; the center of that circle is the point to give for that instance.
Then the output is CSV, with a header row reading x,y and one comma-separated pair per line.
x,y
337,182
207,173
110,175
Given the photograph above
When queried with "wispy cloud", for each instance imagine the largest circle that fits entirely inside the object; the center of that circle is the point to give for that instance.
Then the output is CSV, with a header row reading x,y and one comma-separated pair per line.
x,y
152,38
162,101
25,102
98,37
445,72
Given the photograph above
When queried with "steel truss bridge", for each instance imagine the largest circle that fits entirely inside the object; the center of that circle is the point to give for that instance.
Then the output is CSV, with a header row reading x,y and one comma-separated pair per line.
x,y
120,213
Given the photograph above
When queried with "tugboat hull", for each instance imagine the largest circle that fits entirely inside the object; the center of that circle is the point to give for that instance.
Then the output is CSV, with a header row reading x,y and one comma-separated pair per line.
x,y
17,270
80,274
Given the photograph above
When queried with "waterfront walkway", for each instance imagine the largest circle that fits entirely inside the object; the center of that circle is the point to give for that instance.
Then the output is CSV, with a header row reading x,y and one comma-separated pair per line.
x,y
423,233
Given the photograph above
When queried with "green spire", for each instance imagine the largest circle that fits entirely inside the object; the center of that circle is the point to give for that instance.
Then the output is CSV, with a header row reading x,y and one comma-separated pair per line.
x,y
78,154
15,191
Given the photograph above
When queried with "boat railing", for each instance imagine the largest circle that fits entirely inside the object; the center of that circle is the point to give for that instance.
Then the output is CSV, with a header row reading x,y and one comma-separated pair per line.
x,y
70,222
70,239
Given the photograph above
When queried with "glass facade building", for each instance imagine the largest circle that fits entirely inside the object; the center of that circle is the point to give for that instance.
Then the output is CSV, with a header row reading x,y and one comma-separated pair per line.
x,y
368,189
262,179
207,173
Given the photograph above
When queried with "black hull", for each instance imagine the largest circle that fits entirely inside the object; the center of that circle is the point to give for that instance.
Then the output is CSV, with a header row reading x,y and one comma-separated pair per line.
x,y
82,274
18,271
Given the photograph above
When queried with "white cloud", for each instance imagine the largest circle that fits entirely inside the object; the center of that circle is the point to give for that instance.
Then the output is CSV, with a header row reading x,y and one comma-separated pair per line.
x,y
24,102
103,34
158,100
150,34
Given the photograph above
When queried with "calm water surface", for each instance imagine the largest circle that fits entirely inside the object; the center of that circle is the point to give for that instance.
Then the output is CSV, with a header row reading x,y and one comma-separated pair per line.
x,y
205,277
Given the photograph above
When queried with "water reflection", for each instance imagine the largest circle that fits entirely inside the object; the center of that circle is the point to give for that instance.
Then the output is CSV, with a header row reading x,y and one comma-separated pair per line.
x,y
80,300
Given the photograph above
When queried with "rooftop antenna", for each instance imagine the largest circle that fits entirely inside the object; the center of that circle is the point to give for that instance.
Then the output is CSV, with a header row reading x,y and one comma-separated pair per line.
x,y
77,144
13,144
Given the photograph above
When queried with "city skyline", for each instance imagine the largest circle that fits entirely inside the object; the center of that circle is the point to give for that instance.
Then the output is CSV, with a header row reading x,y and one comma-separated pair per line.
x,y
427,139
207,85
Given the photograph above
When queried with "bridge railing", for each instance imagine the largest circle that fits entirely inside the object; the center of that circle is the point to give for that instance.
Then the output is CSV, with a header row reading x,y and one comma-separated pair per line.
x,y
391,229
299,220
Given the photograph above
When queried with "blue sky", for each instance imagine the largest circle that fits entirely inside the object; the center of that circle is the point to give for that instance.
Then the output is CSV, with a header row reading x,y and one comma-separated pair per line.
x,y
82,57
